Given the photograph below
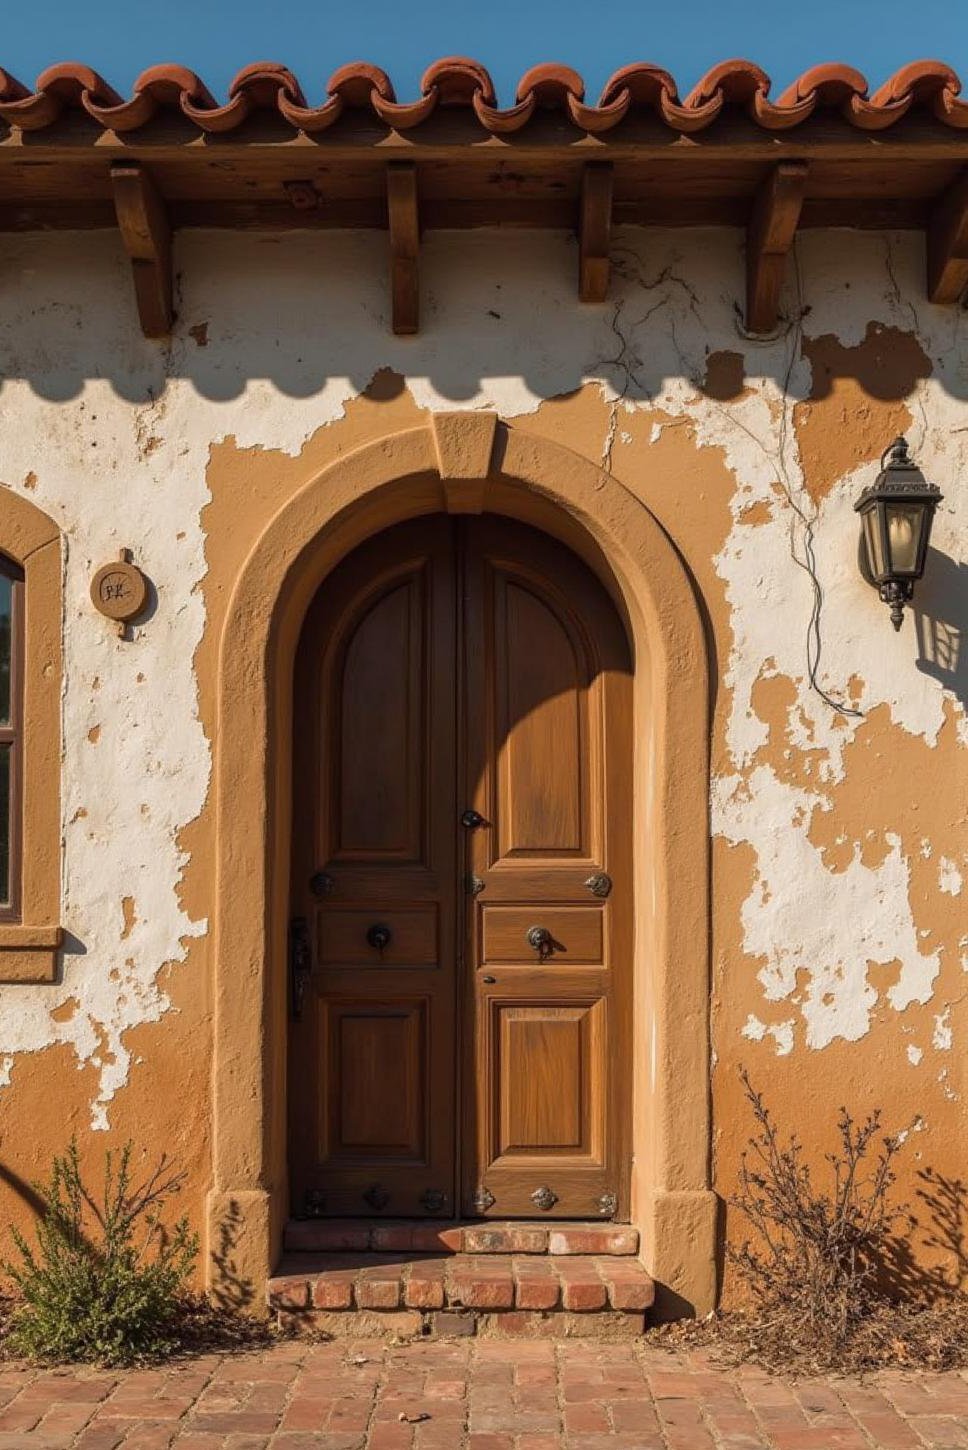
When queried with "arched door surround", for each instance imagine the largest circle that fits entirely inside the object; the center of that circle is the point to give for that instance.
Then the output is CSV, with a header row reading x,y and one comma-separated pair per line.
x,y
466,462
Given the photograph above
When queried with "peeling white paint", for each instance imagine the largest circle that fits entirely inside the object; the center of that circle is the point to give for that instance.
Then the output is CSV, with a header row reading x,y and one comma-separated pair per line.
x,y
914,1054
941,1038
781,1032
949,877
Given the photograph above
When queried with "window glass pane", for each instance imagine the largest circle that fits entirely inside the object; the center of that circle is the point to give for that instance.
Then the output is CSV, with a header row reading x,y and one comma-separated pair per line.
x,y
5,824
6,609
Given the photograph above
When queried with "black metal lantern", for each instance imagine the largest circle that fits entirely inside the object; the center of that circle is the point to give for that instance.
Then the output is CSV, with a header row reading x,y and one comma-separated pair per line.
x,y
896,513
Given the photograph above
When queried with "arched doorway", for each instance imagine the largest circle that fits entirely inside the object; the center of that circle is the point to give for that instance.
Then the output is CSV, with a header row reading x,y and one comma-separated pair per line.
x,y
468,462
461,882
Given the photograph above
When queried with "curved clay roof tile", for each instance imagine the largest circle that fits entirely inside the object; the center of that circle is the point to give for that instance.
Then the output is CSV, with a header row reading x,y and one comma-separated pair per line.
x,y
690,118
731,80
551,84
781,118
357,83
458,80
829,84
596,119
644,83
71,82
504,122
920,79
311,118
404,115
27,110
263,82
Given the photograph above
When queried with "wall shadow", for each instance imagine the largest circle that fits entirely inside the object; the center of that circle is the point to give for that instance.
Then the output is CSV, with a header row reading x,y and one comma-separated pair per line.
x,y
940,609
937,1226
307,309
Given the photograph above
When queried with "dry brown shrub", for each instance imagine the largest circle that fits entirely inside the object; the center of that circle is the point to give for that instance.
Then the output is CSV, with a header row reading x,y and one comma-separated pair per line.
x,y
820,1263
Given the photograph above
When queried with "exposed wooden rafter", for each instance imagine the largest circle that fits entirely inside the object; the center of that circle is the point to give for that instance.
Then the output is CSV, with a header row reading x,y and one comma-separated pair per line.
x,y
772,227
404,219
595,230
359,173
146,233
948,244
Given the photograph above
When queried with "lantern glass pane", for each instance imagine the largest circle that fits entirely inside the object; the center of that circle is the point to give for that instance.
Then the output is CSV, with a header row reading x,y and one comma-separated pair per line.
x,y
872,538
904,524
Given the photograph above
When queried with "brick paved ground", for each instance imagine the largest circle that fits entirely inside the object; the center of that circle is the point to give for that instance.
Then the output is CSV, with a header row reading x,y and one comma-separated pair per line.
x,y
473,1395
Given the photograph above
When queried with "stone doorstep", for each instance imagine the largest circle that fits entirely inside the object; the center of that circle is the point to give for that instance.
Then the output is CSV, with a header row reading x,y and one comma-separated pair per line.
x,y
403,1324
525,1286
489,1237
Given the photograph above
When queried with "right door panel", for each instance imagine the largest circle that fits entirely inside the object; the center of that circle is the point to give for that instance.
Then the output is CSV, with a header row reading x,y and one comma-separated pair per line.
x,y
547,707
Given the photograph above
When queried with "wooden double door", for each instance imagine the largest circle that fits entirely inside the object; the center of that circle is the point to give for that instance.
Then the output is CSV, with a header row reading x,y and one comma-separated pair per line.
x,y
460,949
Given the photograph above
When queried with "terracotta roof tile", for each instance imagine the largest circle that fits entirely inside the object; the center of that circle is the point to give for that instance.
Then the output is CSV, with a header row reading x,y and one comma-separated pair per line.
x,y
456,82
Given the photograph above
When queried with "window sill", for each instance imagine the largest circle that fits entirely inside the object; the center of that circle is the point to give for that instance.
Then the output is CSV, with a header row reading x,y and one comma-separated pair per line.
x,y
29,953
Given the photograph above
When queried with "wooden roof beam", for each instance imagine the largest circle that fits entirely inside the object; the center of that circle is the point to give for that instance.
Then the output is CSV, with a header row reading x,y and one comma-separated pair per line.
x,y
146,234
772,227
948,244
595,230
404,219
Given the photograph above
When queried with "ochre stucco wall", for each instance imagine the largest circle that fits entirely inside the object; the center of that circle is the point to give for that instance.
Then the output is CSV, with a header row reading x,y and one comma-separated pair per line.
x,y
840,843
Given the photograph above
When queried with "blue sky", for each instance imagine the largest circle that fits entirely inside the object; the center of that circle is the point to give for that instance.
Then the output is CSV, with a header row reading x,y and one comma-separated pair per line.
x,y
216,37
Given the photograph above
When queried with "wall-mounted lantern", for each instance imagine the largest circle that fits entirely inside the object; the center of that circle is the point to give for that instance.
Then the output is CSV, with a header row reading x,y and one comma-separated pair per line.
x,y
896,513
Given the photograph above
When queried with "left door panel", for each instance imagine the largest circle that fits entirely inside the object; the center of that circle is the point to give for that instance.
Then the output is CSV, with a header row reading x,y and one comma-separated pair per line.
x,y
373,1050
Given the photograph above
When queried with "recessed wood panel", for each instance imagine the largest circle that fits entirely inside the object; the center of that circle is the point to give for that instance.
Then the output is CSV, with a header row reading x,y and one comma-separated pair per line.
x,y
540,728
549,1087
576,934
343,936
377,1080
381,783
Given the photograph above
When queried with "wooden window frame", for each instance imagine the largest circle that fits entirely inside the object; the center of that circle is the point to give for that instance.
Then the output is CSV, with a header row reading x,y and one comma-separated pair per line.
x,y
31,934
11,737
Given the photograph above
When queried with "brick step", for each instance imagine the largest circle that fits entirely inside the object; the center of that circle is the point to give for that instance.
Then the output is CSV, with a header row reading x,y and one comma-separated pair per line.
x,y
444,1237
519,1294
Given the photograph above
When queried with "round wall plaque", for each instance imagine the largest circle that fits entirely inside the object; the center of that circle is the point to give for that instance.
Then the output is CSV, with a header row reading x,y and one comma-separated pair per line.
x,y
119,590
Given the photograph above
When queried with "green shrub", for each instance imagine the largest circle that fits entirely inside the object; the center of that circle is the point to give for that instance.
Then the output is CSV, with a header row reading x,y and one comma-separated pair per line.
x,y
106,1283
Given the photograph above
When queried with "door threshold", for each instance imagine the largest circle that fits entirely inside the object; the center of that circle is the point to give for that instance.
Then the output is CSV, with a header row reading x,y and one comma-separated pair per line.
x,y
460,1236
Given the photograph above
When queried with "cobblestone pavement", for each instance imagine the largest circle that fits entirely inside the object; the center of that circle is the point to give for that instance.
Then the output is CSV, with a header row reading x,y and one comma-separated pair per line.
x,y
472,1395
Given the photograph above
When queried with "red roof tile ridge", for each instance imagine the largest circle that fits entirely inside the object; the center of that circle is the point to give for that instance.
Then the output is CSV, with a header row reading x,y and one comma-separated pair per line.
x,y
460,83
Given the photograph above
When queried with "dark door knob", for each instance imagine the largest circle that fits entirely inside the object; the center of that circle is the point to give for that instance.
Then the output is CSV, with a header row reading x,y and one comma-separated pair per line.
x,y
379,937
539,937
472,819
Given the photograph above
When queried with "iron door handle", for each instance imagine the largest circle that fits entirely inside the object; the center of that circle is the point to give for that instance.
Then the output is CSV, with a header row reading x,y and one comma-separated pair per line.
x,y
379,937
539,937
